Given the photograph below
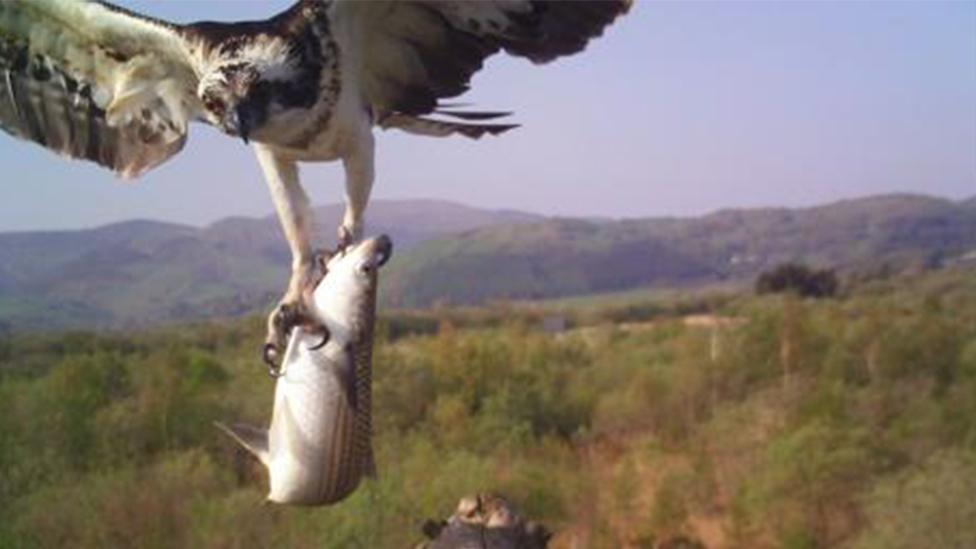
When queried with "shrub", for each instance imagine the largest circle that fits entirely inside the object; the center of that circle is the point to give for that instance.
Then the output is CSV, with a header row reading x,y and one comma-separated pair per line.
x,y
932,506
798,279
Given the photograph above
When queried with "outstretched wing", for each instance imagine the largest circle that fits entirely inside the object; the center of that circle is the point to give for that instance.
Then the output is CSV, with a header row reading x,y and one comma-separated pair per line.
x,y
93,81
412,53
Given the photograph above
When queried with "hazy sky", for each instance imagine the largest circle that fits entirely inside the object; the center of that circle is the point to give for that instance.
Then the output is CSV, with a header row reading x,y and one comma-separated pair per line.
x,y
681,108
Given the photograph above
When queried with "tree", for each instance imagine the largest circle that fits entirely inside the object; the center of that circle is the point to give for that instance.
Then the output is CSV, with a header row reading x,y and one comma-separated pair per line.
x,y
798,279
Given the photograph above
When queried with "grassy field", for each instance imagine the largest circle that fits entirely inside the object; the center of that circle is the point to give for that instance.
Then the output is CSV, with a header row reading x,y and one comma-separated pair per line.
x,y
768,422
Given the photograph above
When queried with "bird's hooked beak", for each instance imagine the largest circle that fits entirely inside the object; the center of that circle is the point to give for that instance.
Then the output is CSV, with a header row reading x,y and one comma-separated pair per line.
x,y
234,124
241,124
241,121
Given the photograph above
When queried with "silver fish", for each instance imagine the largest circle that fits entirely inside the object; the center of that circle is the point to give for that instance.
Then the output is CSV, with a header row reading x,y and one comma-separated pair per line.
x,y
319,444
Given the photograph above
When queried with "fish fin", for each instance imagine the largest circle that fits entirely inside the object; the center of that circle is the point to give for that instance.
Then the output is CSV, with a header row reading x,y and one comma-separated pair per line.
x,y
253,439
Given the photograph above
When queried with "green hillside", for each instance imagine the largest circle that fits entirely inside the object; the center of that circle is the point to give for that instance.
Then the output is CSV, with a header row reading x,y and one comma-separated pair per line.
x,y
563,257
758,422
141,273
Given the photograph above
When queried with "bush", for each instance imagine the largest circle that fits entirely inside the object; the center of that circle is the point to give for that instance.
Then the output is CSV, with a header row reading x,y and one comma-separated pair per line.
x,y
798,279
787,422
932,506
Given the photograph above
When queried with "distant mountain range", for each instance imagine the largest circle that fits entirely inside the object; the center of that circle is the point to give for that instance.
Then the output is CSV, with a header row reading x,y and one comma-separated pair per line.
x,y
561,257
140,273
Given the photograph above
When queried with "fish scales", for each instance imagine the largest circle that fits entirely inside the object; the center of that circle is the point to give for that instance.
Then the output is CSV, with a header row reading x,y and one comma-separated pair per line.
x,y
319,445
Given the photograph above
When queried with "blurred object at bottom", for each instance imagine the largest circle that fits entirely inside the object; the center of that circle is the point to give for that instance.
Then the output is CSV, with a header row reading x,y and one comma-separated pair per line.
x,y
485,521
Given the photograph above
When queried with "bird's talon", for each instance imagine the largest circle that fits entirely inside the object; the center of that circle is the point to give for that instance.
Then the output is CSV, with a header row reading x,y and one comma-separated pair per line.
x,y
287,317
270,356
320,261
345,238
319,345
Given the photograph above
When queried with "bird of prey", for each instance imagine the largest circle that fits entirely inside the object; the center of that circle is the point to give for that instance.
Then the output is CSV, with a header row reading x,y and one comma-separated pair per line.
x,y
95,81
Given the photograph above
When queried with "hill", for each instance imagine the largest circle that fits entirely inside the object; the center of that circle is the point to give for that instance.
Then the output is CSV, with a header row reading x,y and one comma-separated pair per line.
x,y
142,273
562,257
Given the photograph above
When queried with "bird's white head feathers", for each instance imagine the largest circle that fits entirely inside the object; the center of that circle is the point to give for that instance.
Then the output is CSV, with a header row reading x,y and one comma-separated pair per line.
x,y
243,80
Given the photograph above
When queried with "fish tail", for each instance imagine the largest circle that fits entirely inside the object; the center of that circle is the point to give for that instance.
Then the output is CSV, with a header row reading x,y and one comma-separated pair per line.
x,y
253,439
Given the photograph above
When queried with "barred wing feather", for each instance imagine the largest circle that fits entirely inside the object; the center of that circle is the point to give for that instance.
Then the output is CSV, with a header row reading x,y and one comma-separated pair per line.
x,y
90,80
410,54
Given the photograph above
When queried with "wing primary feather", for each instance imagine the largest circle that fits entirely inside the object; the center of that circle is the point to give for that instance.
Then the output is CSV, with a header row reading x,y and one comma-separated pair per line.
x,y
12,93
474,115
63,64
418,52
418,125
28,116
70,137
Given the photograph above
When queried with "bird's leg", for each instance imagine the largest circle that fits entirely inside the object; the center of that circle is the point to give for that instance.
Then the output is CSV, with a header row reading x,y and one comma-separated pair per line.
x,y
295,215
359,169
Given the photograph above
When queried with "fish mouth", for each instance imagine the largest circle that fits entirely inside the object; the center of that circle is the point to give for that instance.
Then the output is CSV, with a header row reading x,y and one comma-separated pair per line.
x,y
382,249
375,251
369,254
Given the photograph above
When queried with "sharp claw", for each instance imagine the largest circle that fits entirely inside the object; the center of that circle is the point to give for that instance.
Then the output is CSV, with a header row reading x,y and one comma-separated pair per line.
x,y
321,262
291,314
345,238
287,318
270,355
319,345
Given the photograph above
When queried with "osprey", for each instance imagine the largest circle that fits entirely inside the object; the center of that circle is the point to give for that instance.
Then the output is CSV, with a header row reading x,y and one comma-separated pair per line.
x,y
94,81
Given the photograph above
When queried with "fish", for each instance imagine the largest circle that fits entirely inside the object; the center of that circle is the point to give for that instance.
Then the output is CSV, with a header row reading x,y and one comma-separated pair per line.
x,y
319,444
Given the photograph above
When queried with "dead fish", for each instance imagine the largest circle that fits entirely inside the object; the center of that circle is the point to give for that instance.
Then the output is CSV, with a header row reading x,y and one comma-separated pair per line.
x,y
319,444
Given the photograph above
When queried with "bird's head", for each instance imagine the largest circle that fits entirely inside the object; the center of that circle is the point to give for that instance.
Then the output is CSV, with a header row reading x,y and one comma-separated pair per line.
x,y
243,87
231,95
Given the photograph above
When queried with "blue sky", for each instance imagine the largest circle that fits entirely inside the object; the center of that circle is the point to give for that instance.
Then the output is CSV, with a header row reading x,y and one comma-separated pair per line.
x,y
681,108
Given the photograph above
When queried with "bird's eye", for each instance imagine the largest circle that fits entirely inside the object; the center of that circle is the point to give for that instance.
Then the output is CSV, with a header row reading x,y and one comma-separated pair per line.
x,y
213,105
